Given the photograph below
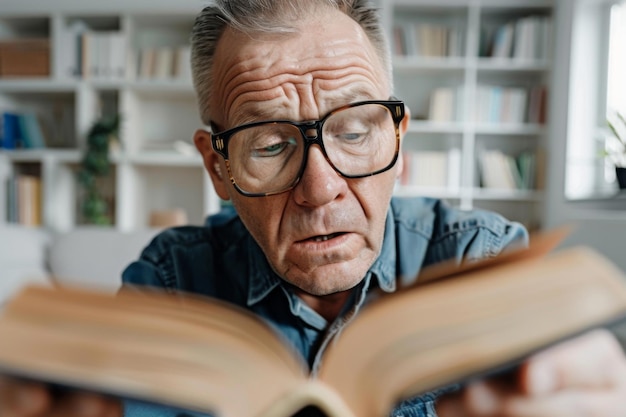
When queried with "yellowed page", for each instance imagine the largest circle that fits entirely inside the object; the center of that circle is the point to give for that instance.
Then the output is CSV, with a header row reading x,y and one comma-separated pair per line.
x,y
440,333
180,351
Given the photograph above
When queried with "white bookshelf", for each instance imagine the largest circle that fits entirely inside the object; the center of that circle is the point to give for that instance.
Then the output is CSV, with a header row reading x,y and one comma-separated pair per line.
x,y
149,172
466,70
148,175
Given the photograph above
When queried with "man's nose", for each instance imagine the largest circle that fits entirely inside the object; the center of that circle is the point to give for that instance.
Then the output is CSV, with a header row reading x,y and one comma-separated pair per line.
x,y
320,183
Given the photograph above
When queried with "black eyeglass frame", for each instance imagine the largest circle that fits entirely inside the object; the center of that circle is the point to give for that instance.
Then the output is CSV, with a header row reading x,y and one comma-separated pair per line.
x,y
219,141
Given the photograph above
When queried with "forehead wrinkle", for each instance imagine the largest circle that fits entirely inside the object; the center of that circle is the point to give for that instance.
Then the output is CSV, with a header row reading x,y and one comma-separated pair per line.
x,y
330,92
248,85
256,113
265,71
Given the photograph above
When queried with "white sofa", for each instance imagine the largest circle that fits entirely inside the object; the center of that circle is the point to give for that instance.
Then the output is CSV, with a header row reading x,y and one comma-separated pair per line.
x,y
86,256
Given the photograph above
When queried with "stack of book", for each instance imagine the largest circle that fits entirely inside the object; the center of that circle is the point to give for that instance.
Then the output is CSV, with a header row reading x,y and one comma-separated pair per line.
x,y
432,169
510,105
427,40
103,55
93,54
522,39
25,58
446,104
507,172
165,63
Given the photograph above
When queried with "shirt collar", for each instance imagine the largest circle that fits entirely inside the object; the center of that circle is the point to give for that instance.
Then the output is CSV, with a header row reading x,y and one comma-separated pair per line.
x,y
262,278
384,268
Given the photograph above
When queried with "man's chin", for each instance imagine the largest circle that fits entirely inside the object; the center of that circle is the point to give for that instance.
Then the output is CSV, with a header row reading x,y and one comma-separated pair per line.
x,y
323,286
321,279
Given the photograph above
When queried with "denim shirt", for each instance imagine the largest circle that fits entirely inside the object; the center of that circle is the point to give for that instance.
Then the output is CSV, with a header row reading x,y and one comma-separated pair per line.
x,y
221,259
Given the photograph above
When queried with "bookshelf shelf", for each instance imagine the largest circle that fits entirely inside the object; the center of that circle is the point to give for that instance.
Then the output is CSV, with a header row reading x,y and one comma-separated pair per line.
x,y
510,65
414,63
420,126
38,155
510,129
35,85
159,158
507,195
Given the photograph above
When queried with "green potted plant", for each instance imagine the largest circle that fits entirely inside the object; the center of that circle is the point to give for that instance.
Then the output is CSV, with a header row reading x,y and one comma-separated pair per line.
x,y
96,164
615,148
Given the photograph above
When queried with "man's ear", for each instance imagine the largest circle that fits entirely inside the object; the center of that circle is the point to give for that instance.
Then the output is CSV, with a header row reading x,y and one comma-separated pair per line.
x,y
404,127
212,162
404,124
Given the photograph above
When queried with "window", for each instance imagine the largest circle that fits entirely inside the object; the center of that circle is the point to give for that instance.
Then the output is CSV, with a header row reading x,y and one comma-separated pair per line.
x,y
616,77
596,90
615,84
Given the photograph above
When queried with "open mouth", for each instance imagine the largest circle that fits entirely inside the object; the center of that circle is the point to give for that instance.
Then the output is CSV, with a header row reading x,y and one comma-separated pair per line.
x,y
324,238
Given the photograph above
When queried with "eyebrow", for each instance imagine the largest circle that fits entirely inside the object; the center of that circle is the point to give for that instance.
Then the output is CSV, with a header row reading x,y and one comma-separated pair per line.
x,y
256,114
351,96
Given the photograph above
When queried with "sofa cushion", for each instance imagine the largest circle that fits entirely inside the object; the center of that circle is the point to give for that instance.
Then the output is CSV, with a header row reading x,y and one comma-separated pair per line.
x,y
95,256
22,258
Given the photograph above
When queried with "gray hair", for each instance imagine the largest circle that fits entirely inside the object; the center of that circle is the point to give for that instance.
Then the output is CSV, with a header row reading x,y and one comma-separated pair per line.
x,y
267,16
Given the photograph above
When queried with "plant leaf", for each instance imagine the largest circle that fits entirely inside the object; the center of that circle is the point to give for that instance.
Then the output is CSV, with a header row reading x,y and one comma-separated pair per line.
x,y
621,118
616,134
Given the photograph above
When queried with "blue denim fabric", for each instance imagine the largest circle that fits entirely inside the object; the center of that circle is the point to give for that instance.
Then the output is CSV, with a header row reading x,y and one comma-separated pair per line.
x,y
222,260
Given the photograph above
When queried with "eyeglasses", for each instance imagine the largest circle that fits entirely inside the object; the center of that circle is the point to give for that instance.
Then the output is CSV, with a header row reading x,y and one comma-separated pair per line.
x,y
269,157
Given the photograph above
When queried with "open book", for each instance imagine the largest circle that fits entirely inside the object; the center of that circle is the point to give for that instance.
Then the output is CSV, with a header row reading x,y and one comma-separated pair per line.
x,y
206,355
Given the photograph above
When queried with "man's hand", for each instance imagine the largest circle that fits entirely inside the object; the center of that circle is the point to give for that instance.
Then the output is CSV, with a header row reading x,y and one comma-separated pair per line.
x,y
27,399
585,376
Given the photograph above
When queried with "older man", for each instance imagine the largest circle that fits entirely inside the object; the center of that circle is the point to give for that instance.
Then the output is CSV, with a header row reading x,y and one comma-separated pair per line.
x,y
304,140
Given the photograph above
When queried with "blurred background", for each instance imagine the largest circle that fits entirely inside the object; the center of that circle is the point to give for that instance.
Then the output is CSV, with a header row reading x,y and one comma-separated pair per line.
x,y
511,101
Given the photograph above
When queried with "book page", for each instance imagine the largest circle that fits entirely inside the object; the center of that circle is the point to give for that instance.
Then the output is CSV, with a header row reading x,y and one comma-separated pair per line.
x,y
430,336
193,352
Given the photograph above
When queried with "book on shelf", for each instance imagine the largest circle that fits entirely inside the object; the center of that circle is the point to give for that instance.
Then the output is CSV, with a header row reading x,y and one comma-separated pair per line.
x,y
428,169
427,40
524,39
9,131
203,354
432,168
537,105
399,41
442,105
182,63
21,130
503,41
103,54
147,59
499,170
446,104
164,63
25,57
501,105
532,38
70,55
30,131
23,200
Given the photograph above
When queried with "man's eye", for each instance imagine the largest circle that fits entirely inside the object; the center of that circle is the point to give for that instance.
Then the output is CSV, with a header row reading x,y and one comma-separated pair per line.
x,y
351,136
273,149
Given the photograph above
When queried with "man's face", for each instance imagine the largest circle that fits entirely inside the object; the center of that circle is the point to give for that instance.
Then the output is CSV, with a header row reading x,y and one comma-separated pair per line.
x,y
323,235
